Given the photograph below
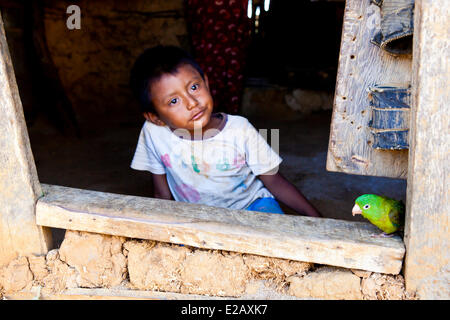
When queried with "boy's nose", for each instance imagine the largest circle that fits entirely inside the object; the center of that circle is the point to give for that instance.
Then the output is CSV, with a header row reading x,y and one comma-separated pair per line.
x,y
191,102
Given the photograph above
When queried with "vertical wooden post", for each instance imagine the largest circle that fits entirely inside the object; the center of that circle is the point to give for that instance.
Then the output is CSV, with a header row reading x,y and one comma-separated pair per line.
x,y
19,185
427,268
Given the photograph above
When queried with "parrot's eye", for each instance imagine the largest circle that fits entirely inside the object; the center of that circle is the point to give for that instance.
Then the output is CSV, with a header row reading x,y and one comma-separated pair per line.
x,y
367,206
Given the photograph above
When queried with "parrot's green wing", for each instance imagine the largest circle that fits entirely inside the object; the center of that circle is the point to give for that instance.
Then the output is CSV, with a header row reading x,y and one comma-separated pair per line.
x,y
397,213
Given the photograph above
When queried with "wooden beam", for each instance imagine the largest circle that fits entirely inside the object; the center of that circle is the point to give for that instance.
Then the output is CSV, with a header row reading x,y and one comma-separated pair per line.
x,y
427,266
317,240
19,185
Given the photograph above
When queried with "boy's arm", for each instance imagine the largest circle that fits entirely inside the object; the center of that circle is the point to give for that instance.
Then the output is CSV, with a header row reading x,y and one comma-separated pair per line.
x,y
161,187
287,193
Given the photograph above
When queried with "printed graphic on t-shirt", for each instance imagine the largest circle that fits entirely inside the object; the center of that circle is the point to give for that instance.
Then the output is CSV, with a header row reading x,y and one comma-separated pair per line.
x,y
219,171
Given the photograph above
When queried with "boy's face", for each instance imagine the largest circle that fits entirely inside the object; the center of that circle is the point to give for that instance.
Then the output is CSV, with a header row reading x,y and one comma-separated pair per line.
x,y
181,99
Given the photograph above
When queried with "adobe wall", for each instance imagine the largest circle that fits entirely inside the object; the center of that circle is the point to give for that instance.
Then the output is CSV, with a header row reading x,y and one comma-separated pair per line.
x,y
94,62
89,260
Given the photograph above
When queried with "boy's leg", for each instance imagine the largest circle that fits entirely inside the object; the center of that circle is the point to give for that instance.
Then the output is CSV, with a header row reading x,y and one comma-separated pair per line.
x,y
269,205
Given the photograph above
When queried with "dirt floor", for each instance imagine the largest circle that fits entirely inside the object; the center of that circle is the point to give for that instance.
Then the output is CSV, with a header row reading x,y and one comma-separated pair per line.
x,y
100,160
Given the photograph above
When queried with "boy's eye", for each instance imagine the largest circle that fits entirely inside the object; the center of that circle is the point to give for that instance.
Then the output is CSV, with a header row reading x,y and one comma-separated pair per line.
x,y
194,86
173,101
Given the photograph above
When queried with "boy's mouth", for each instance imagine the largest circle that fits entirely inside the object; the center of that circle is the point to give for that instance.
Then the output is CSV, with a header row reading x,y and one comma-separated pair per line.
x,y
198,115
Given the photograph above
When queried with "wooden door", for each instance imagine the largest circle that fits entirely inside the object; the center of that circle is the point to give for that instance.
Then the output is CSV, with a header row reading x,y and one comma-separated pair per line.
x,y
353,147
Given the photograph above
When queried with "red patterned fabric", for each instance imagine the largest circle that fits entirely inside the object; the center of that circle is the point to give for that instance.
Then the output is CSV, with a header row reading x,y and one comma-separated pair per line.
x,y
220,35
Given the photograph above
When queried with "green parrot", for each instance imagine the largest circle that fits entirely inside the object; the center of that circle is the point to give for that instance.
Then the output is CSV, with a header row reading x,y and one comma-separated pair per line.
x,y
385,213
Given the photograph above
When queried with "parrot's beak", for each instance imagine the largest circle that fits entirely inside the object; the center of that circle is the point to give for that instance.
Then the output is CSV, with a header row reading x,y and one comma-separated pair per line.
x,y
356,210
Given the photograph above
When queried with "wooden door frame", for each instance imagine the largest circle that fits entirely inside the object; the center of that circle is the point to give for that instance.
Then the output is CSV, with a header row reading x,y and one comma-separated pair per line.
x,y
427,267
324,241
426,232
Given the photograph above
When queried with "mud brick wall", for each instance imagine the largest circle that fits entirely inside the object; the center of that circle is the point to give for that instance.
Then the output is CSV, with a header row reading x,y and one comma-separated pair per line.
x,y
94,62
89,260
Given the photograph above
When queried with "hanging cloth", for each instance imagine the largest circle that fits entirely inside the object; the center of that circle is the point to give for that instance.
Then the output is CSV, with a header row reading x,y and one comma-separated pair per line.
x,y
220,36
397,24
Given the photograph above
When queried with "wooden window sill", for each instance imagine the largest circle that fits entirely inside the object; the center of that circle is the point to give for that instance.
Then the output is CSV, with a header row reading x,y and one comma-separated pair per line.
x,y
317,240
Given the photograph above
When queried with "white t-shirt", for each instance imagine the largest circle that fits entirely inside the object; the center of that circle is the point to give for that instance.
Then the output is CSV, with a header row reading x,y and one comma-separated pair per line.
x,y
218,171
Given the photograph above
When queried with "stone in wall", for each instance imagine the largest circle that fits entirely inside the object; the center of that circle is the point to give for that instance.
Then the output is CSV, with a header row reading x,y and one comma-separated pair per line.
x,y
327,283
60,275
48,271
16,275
97,258
214,273
385,287
275,271
269,268
38,267
155,266
338,283
170,267
167,267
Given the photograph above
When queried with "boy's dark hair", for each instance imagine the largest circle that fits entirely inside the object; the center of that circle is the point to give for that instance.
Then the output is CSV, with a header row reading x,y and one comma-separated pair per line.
x,y
151,65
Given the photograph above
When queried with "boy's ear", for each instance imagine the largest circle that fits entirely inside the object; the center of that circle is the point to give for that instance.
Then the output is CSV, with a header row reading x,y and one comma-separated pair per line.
x,y
206,81
153,118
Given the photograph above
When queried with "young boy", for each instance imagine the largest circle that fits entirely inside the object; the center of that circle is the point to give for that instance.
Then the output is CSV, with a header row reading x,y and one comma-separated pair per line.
x,y
199,156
